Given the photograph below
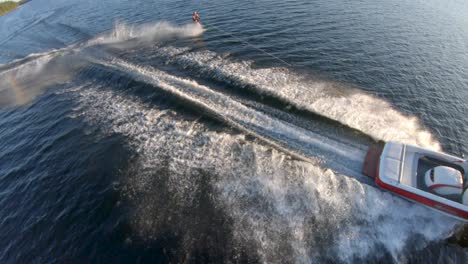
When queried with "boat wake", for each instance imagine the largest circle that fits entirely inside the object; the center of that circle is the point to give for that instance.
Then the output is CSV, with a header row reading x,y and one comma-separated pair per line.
x,y
281,209
351,107
293,140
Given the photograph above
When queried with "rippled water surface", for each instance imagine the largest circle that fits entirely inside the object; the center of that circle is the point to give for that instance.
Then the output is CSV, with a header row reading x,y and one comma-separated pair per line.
x,y
129,134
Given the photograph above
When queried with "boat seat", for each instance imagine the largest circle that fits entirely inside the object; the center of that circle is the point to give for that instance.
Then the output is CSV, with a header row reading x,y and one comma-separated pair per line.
x,y
445,163
426,163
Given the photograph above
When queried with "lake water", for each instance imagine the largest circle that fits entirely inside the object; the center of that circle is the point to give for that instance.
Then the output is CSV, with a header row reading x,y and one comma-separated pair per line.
x,y
130,134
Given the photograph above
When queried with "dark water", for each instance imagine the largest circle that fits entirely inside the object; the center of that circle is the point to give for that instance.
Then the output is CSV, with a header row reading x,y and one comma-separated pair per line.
x,y
128,134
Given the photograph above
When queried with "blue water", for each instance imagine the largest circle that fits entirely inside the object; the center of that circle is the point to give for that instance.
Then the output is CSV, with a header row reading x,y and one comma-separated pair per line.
x,y
129,134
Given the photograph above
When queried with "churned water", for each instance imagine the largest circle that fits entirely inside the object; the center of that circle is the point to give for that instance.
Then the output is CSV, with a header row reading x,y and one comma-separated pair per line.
x,y
129,134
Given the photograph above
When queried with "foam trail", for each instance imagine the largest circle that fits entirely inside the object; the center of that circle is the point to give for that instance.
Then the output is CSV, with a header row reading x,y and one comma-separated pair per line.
x,y
289,211
351,107
294,140
147,33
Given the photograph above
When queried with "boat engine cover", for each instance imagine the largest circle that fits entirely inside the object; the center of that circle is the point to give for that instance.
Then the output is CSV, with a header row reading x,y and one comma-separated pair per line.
x,y
444,180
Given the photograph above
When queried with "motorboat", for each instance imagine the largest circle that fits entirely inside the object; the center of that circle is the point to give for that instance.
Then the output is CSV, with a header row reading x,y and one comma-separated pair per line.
x,y
434,179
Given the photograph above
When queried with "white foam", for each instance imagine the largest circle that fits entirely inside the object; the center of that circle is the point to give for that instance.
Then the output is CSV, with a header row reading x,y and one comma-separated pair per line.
x,y
351,107
294,140
290,211
147,33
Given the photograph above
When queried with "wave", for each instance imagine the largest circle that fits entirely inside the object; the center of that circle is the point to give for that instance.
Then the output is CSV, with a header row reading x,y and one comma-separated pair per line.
x,y
23,24
286,209
351,107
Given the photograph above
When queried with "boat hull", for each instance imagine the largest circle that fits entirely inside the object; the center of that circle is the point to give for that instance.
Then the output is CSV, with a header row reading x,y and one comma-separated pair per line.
x,y
372,168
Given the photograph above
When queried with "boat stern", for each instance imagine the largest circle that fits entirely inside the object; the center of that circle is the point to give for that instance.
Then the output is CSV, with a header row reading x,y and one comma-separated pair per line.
x,y
372,160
